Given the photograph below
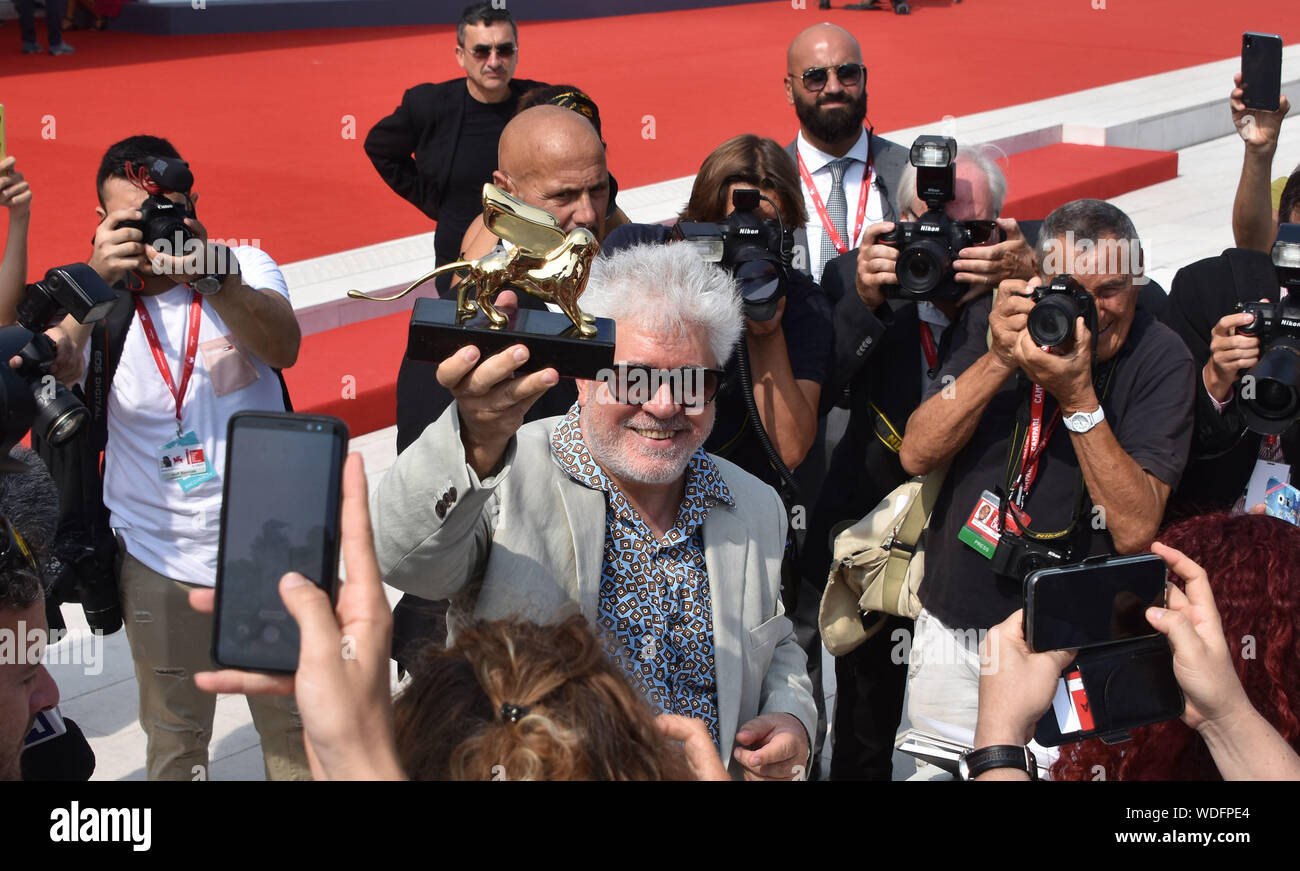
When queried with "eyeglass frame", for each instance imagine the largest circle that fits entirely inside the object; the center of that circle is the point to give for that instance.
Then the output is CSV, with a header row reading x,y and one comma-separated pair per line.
x,y
489,49
803,76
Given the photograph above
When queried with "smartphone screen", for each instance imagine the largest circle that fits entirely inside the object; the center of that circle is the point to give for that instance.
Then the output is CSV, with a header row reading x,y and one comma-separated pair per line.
x,y
1072,607
280,513
1261,70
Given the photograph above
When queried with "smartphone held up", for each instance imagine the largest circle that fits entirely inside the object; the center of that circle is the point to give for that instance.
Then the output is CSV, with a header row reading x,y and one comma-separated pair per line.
x,y
280,513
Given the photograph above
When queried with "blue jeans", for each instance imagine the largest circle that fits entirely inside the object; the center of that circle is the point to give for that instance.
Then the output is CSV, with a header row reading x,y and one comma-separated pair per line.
x,y
54,10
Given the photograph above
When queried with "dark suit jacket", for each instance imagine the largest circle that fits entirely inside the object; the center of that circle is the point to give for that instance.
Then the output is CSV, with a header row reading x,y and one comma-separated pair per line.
x,y
1223,450
862,469
426,124
889,160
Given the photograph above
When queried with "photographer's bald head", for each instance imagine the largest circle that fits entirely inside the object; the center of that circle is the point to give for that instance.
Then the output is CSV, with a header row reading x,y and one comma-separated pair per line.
x,y
552,158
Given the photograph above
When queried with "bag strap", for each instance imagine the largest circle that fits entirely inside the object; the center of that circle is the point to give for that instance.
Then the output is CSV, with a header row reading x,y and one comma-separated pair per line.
x,y
918,513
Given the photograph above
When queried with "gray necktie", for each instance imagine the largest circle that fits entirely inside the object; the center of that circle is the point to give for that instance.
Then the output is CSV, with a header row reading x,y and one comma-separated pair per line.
x,y
837,205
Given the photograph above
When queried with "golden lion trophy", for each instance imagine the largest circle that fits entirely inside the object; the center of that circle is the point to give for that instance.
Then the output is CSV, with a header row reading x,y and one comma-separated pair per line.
x,y
541,260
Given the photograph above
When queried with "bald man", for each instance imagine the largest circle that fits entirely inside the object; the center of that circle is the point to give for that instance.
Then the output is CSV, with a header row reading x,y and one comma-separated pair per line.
x,y
552,158
826,82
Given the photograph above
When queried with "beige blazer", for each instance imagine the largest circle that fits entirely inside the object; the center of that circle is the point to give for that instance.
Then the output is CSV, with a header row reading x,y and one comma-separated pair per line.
x,y
528,543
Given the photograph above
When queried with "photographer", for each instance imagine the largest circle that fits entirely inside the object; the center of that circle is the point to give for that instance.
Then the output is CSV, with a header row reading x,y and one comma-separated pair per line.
x,y
1240,719
191,340
1204,309
1078,453
786,336
886,352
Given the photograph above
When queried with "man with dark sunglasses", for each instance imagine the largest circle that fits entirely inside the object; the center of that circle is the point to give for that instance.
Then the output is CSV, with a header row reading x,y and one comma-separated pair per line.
x,y
440,146
848,175
615,509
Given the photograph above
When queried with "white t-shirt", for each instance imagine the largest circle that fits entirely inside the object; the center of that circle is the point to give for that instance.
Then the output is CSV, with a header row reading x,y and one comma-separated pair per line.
x,y
817,162
170,531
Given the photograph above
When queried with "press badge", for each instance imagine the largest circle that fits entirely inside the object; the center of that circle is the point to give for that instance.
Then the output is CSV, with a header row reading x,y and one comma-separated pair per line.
x,y
982,530
185,461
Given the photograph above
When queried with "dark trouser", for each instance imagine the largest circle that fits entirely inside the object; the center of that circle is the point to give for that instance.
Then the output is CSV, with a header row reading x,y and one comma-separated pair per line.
x,y
869,704
54,10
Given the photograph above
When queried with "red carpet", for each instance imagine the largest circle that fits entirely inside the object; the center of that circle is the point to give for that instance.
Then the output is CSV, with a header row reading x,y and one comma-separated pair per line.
x,y
261,117
1040,180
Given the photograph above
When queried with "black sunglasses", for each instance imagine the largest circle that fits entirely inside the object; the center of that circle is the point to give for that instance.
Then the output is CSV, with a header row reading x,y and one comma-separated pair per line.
x,y
636,384
483,52
815,78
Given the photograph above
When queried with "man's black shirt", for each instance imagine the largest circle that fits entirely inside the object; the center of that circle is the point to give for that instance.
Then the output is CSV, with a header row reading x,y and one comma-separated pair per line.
x,y
472,163
1149,408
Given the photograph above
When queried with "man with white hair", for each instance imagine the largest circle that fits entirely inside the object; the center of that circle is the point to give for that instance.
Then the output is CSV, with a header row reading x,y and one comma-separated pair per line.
x,y
615,510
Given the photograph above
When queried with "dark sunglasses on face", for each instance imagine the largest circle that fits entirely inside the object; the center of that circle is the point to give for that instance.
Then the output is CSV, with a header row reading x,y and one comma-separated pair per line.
x,y
483,52
635,384
815,78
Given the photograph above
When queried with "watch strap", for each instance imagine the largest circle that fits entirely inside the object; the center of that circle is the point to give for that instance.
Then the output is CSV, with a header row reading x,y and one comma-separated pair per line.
x,y
1082,421
976,762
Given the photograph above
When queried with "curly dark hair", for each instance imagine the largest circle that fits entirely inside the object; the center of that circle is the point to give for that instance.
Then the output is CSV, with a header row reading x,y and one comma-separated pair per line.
x,y
519,701
1253,570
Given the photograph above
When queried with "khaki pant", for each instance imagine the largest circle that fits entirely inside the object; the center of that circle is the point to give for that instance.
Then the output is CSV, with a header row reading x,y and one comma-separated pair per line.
x,y
170,642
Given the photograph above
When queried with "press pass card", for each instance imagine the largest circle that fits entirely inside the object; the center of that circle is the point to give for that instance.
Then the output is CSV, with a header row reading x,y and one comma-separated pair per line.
x,y
981,530
1282,500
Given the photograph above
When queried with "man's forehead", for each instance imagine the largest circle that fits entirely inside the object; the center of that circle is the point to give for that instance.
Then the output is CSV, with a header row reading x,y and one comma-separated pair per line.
x,y
663,349
827,46
495,32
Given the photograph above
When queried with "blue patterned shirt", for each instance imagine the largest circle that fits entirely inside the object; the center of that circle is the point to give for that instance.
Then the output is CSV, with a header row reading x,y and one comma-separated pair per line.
x,y
656,612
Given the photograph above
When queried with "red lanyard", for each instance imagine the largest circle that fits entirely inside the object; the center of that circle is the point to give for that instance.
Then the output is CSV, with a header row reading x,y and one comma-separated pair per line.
x,y
927,345
191,348
827,224
1035,441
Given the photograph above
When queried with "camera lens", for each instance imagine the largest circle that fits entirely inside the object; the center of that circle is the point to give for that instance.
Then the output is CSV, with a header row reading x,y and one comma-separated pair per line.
x,y
59,414
1275,403
1051,321
921,266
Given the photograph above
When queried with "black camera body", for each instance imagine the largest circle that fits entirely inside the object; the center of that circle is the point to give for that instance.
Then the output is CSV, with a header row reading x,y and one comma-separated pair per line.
x,y
161,218
926,250
927,247
1056,307
1017,557
756,251
1270,391
30,397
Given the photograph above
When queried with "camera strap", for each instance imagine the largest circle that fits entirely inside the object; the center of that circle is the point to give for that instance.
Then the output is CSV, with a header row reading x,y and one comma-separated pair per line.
x,y
191,349
928,347
827,224
1028,442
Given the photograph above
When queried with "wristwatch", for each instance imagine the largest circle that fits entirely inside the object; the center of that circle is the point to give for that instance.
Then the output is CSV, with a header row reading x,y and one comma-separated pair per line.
x,y
1082,421
973,763
226,265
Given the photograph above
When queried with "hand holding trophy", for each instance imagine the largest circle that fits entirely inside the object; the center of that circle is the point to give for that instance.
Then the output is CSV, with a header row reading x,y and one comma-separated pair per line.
x,y
537,257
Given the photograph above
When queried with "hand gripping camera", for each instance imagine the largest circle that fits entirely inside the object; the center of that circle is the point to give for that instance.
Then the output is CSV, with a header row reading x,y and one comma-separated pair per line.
x,y
755,251
1056,307
927,247
1270,391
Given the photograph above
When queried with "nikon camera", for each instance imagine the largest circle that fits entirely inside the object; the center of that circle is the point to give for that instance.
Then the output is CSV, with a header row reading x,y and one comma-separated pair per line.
x,y
1270,391
1056,307
927,247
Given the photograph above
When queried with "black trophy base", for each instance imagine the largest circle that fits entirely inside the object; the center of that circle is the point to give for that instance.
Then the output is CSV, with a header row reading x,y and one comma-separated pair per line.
x,y
552,340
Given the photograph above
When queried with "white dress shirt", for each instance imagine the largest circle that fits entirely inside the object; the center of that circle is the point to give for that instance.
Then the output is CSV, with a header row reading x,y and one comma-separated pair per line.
x,y
817,162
